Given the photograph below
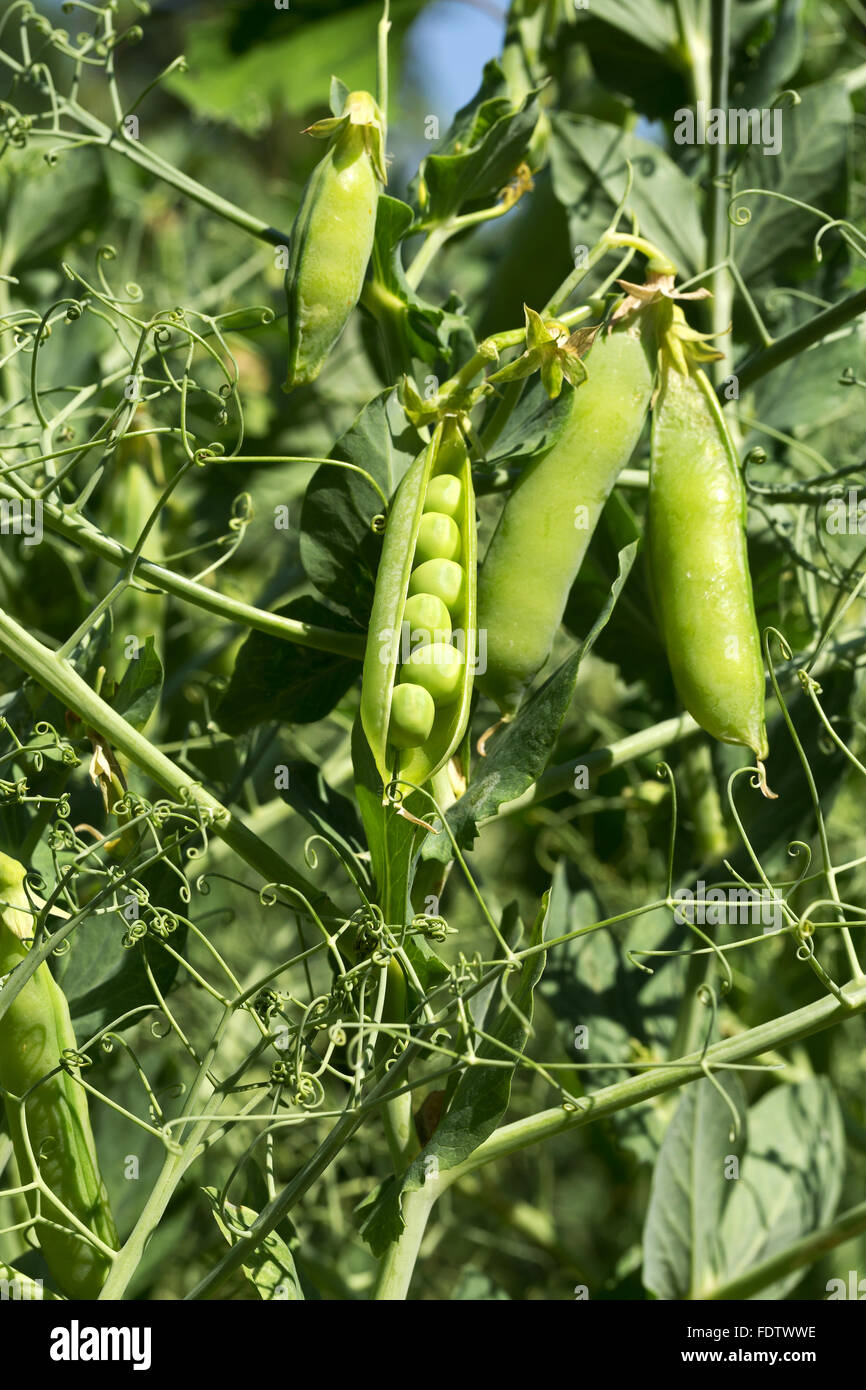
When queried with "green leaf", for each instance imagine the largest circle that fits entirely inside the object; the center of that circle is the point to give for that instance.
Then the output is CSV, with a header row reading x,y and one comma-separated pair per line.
x,y
339,549
138,693
23,1288
533,427
483,148
428,966
427,329
772,62
275,679
791,1178
631,639
635,51
652,21
488,1000
378,1216
331,815
711,1219
338,94
244,62
518,753
32,191
806,393
690,1190
811,166
623,1012
588,163
271,1268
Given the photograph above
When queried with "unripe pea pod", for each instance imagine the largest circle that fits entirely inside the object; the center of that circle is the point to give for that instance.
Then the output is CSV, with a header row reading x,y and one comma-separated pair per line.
x,y
698,562
548,521
332,237
407,585
48,1119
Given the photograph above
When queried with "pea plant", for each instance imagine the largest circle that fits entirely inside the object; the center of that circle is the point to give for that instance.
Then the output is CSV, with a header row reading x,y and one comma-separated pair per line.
x,y
431,653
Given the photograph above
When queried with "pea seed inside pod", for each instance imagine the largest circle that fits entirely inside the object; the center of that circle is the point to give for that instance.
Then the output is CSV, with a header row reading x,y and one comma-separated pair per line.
x,y
445,494
427,619
412,715
438,538
442,578
437,667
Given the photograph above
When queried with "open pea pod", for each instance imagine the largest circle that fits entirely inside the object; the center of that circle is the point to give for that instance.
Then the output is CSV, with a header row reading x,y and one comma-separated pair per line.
x,y
429,558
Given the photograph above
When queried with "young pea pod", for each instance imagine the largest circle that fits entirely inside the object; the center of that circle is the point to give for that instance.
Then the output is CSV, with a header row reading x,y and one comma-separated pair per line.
x,y
420,658
698,561
332,237
46,1110
548,521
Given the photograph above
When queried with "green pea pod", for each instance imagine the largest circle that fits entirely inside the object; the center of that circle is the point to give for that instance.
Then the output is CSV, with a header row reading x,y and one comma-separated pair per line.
x,y
698,562
401,682
332,237
48,1119
548,521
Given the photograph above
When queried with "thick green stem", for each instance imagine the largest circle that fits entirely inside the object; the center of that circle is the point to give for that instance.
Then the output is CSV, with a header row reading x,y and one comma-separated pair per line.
x,y
399,1123
655,1081
430,248
710,833
133,1250
76,529
64,682
398,1262
806,336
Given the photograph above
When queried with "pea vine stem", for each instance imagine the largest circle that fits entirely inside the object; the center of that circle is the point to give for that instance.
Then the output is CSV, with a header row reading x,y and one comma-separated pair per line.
x,y
61,679
755,1042
173,1169
802,1252
718,226
138,153
806,335
398,1262
75,528
438,236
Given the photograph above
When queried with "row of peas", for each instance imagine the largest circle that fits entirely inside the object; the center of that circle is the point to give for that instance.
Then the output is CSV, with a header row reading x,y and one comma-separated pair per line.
x,y
431,677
